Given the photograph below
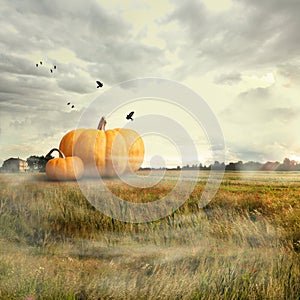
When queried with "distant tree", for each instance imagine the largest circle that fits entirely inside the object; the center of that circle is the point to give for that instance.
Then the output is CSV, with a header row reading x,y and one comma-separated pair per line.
x,y
271,166
205,168
43,162
231,166
38,163
252,166
218,166
288,165
33,162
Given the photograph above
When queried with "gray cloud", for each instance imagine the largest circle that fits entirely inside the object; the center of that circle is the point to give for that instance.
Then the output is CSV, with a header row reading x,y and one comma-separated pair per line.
x,y
284,114
249,34
254,95
228,78
289,70
259,107
17,65
261,124
291,73
97,36
77,81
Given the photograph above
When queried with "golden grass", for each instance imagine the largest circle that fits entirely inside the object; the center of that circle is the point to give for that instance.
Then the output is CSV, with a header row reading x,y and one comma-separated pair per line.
x,y
244,245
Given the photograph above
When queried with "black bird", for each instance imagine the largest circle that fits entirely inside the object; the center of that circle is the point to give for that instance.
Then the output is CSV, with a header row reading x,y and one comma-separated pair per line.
x,y
100,84
68,103
72,106
36,65
129,116
54,67
41,62
51,70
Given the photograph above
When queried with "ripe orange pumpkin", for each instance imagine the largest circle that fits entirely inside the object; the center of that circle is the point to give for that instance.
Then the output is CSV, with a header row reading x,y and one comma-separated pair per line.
x,y
105,152
64,168
68,141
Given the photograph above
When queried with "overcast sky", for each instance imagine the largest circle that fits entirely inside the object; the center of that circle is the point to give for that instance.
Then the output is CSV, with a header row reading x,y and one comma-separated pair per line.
x,y
241,56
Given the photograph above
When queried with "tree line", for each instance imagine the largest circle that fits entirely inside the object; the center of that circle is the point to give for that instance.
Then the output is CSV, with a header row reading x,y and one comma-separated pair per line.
x,y
38,163
286,165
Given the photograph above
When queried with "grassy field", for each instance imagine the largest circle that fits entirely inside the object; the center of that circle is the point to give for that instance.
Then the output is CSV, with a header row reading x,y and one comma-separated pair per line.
x,y
245,244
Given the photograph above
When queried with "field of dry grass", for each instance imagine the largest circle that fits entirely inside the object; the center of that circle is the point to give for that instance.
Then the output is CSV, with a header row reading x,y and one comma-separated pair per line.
x,y
245,244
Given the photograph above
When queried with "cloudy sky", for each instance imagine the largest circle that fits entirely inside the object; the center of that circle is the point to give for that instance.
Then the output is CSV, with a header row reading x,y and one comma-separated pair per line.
x,y
242,57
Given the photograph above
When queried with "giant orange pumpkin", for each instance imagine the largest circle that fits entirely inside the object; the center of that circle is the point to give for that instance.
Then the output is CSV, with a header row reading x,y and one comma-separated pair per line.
x,y
105,152
64,168
69,140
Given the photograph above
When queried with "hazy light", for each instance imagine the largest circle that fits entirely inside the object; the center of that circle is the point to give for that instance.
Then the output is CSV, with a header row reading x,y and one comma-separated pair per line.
x,y
157,144
295,158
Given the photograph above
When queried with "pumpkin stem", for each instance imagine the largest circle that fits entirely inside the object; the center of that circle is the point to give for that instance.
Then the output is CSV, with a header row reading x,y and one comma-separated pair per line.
x,y
61,155
102,124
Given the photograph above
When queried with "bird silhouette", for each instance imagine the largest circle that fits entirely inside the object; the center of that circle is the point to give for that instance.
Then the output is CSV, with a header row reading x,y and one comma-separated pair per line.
x,y
36,65
68,103
41,62
51,70
72,106
129,116
54,67
99,84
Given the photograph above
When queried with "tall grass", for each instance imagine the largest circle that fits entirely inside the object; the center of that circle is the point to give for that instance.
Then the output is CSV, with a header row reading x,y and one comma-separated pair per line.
x,y
55,245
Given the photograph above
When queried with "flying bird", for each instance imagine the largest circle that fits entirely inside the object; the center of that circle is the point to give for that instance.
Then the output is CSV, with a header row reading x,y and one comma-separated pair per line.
x,y
72,106
51,70
36,65
54,67
99,84
68,103
129,116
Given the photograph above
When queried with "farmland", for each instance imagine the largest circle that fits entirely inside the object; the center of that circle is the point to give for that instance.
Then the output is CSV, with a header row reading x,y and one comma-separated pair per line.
x,y
245,244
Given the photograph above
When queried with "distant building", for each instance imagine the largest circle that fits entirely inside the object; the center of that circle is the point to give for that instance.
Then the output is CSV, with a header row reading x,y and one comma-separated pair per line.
x,y
14,165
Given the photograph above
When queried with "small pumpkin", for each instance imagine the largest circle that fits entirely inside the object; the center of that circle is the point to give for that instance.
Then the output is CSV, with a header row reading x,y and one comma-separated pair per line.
x,y
64,168
105,152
